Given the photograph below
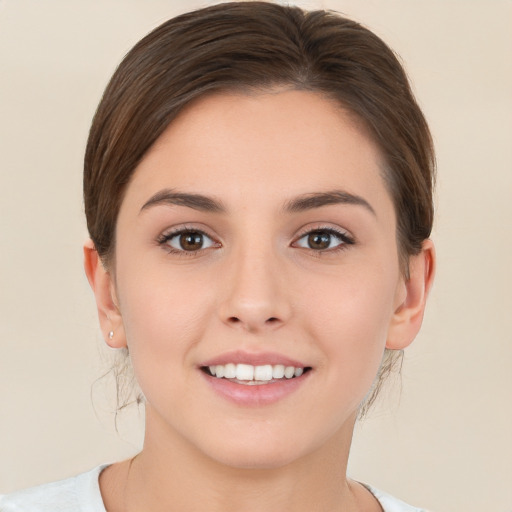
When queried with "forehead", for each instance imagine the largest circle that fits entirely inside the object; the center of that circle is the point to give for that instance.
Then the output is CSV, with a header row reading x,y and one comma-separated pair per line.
x,y
267,145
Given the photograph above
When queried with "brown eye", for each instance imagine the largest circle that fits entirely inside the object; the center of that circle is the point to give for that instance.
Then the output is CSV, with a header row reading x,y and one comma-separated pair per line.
x,y
191,241
319,240
324,240
188,241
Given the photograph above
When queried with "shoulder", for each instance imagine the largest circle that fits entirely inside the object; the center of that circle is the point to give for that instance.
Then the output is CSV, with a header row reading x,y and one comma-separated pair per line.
x,y
391,504
78,494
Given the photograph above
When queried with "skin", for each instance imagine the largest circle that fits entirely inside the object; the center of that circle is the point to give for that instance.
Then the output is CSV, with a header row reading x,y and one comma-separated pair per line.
x,y
257,287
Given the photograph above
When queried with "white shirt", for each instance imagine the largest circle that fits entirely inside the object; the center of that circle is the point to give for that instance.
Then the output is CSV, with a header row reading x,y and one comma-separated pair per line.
x,y
82,494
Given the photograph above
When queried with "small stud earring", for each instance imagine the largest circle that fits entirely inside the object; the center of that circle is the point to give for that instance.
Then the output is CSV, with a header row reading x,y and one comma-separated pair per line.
x,y
110,335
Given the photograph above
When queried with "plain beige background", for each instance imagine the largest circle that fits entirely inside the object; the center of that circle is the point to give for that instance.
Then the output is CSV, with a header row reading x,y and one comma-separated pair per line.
x,y
445,442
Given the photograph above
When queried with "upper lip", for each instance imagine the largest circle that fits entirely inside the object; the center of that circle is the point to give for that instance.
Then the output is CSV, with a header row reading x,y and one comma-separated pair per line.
x,y
253,358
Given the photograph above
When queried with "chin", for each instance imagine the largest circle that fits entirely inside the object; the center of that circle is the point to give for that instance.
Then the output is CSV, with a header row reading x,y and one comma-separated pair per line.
x,y
254,459
262,452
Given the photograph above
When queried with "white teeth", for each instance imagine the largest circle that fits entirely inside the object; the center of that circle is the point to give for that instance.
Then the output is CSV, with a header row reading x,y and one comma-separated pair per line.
x,y
263,372
289,372
230,371
254,374
278,371
244,372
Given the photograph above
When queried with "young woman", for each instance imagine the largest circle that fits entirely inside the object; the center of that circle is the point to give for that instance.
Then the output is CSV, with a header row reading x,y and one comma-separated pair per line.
x,y
258,192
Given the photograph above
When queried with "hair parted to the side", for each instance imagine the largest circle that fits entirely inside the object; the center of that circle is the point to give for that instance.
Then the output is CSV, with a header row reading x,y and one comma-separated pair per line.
x,y
249,47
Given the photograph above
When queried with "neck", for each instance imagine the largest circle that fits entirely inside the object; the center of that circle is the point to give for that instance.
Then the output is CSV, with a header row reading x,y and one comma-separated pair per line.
x,y
170,474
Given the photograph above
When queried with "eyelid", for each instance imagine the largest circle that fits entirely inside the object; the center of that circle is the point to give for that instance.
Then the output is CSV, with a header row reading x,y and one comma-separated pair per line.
x,y
173,232
343,235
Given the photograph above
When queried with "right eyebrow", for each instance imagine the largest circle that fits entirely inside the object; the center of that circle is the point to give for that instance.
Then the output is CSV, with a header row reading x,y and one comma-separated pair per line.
x,y
195,201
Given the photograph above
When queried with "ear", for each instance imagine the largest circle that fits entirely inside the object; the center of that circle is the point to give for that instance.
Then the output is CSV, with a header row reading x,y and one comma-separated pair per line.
x,y
102,285
413,292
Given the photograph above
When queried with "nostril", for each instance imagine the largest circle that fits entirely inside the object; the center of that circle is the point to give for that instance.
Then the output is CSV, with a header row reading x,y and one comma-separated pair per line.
x,y
252,324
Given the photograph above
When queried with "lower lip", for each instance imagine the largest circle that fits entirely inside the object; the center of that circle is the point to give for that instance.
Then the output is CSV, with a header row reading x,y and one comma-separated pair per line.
x,y
255,395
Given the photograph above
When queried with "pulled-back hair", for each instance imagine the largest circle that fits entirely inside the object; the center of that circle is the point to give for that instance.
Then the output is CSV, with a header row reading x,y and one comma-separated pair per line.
x,y
250,47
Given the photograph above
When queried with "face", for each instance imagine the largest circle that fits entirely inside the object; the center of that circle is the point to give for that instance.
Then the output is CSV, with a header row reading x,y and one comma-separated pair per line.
x,y
257,237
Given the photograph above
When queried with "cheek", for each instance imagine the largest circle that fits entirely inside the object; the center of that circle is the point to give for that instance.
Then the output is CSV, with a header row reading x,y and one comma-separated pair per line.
x,y
164,318
350,322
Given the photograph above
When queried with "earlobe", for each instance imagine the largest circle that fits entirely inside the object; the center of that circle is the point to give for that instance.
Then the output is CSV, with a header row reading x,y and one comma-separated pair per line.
x,y
408,316
102,285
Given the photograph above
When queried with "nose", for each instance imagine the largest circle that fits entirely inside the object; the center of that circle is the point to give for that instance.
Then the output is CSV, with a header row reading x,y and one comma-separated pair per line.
x,y
255,295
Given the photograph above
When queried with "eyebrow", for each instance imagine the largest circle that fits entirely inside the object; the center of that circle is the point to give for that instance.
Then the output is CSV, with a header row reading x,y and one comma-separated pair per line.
x,y
195,201
319,199
300,204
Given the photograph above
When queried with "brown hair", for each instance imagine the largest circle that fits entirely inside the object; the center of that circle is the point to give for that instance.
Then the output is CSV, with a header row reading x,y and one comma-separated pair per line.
x,y
247,46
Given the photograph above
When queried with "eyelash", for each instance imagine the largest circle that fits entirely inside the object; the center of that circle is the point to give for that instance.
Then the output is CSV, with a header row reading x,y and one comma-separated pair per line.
x,y
164,239
343,237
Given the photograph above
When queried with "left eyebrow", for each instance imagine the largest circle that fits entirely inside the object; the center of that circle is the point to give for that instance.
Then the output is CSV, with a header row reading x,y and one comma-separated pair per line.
x,y
194,201
319,199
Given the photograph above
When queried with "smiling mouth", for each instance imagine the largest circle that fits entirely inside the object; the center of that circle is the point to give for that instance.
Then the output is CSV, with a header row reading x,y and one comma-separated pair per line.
x,y
250,375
